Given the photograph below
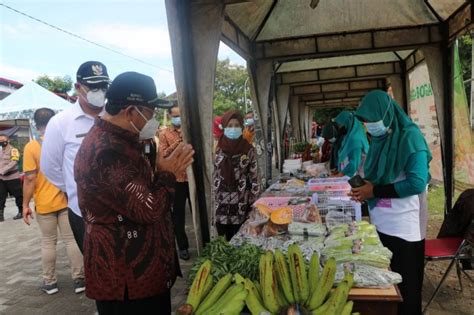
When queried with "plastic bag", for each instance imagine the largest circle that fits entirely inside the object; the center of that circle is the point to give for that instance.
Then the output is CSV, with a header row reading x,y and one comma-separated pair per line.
x,y
310,215
368,276
335,218
309,229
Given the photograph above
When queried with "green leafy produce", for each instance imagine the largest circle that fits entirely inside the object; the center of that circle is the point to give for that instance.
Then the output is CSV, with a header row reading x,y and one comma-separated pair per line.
x,y
226,259
300,146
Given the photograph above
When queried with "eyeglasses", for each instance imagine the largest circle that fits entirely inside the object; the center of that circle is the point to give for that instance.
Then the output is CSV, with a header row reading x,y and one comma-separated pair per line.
x,y
146,111
97,87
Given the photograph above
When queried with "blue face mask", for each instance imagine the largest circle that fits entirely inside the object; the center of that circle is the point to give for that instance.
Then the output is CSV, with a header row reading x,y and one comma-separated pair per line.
x,y
378,128
332,140
249,122
233,133
176,121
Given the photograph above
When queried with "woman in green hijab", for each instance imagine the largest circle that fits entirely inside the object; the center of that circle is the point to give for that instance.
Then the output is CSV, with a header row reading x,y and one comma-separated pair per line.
x,y
331,135
397,175
354,145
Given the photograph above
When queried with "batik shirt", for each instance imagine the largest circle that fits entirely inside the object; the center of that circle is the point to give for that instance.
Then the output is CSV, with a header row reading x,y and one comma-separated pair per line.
x,y
125,204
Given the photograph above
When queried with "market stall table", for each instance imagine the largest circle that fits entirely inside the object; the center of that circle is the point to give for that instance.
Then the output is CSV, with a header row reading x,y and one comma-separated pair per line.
x,y
376,301
368,301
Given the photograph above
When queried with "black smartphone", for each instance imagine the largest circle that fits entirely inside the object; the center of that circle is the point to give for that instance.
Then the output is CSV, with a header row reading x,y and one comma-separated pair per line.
x,y
356,181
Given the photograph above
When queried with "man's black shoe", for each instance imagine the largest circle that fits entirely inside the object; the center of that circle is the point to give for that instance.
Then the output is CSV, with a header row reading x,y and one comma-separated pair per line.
x,y
184,254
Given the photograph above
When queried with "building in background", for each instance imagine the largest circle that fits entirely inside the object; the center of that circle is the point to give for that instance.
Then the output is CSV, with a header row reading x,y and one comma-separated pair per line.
x,y
8,86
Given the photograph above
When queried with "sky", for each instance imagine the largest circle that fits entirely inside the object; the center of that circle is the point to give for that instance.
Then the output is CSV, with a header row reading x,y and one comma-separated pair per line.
x,y
136,28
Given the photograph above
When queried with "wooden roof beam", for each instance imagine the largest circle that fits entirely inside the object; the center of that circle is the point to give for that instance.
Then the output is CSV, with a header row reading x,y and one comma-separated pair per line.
x,y
348,43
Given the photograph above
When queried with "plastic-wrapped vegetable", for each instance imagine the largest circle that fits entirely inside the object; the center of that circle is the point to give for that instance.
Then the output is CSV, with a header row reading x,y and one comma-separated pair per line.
x,y
365,258
358,246
310,229
368,276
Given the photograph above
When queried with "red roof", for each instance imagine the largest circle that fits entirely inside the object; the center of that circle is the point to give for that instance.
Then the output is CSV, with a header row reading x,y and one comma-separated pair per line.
x,y
15,83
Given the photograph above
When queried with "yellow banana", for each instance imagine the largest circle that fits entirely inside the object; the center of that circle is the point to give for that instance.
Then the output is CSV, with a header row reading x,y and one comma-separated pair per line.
x,y
253,300
270,287
313,274
347,310
281,268
217,291
324,285
198,287
234,293
299,278
340,297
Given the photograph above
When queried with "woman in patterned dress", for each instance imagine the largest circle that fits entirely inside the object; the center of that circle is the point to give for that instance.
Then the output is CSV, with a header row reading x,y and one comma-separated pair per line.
x,y
235,176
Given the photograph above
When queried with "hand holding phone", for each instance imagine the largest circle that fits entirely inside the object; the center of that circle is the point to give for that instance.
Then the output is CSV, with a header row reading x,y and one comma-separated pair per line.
x,y
356,181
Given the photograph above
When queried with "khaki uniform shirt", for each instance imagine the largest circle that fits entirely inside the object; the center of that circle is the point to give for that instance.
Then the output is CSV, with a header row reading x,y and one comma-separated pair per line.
x,y
9,157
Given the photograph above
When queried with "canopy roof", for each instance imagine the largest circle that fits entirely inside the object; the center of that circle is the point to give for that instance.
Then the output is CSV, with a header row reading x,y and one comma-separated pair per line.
x,y
343,61
30,97
265,20
339,40
292,30
305,53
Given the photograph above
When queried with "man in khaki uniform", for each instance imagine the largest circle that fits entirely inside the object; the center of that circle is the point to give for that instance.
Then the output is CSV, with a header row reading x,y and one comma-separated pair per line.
x,y
9,177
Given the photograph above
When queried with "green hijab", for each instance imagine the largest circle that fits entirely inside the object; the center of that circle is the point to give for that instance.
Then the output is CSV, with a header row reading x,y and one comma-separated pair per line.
x,y
389,154
329,131
355,137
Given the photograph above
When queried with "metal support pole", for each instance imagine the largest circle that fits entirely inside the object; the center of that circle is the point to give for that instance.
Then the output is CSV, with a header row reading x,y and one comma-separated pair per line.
x,y
192,112
448,146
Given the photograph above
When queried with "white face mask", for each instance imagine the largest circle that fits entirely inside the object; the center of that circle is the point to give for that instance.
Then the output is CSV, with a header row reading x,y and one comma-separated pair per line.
x,y
378,128
149,130
96,98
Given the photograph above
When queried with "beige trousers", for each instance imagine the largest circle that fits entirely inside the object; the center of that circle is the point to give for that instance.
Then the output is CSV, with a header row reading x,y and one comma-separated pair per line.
x,y
49,224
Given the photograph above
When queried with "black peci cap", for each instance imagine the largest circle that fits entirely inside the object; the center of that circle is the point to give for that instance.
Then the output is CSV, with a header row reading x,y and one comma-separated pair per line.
x,y
133,88
92,72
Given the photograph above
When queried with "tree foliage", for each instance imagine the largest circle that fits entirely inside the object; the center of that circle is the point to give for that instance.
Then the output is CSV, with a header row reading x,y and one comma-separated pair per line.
x,y
324,115
229,87
56,84
465,57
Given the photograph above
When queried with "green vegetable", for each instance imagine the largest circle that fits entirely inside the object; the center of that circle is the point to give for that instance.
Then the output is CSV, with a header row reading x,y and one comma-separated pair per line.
x,y
226,259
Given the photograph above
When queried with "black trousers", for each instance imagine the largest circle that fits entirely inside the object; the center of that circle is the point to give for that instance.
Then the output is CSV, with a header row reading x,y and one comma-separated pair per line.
x,y
13,187
408,260
227,230
159,304
179,214
77,227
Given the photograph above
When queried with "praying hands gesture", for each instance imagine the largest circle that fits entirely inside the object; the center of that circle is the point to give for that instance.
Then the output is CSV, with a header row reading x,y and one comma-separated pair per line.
x,y
178,161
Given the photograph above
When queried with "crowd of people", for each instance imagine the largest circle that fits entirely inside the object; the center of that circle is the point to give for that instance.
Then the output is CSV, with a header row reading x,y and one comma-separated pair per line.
x,y
115,185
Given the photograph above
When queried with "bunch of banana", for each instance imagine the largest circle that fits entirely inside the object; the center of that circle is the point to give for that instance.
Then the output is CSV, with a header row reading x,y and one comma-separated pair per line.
x,y
222,298
337,303
286,284
231,302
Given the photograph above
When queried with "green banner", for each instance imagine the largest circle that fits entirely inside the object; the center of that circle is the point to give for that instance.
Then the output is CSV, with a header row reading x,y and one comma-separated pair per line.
x,y
463,134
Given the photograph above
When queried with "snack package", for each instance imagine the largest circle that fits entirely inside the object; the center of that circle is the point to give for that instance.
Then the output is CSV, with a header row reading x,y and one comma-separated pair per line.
x,y
311,214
